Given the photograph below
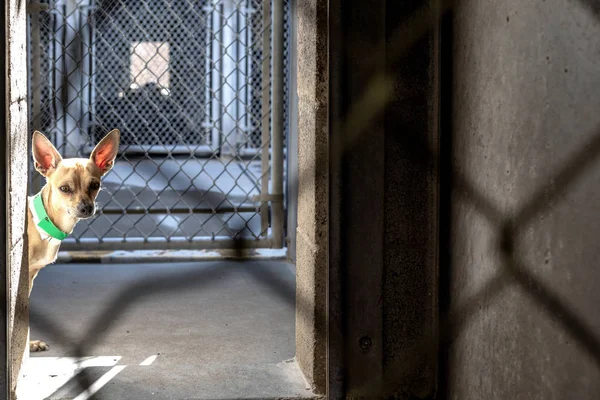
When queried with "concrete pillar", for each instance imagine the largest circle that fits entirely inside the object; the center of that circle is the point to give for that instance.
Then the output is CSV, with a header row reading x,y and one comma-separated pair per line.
x,y
311,233
15,147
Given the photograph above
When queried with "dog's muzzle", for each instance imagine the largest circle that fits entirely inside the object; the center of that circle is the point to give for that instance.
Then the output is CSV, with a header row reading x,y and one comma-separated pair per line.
x,y
85,210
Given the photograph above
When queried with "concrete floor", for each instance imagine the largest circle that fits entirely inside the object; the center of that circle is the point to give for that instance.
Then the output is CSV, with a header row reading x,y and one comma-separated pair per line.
x,y
204,330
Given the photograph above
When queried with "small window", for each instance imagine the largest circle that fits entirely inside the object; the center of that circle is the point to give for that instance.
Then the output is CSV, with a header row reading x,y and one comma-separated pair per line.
x,y
150,65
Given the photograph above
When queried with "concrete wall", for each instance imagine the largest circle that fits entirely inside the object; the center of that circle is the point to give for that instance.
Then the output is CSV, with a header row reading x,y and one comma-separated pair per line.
x,y
525,124
16,174
4,311
311,232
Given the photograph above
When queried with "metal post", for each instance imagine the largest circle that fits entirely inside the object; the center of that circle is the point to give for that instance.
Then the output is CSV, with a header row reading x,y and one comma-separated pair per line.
x,y
213,109
277,129
35,66
216,80
35,87
88,67
229,87
266,133
291,147
70,141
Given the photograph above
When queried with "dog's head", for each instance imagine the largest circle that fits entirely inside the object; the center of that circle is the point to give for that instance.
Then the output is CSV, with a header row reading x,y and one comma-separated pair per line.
x,y
74,182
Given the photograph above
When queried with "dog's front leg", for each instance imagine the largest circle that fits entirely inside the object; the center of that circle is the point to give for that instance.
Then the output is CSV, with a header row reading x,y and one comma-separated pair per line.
x,y
35,345
38,345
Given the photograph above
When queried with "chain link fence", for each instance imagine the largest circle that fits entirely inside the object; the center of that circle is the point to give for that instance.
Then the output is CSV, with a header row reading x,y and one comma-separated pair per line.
x,y
189,84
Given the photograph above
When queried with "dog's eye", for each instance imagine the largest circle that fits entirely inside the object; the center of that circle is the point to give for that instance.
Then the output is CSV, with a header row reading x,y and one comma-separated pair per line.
x,y
94,186
65,189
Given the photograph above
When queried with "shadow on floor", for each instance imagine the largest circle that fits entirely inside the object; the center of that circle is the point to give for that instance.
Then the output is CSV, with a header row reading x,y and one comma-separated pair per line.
x,y
229,333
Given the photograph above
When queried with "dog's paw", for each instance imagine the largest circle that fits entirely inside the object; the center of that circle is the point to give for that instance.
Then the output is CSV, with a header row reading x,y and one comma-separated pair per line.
x,y
38,345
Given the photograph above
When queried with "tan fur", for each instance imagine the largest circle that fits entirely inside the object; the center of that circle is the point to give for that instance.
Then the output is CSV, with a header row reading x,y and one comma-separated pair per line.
x,y
80,176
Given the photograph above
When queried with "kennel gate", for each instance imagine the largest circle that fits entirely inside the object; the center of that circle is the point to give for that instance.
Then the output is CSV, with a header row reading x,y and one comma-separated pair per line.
x,y
199,90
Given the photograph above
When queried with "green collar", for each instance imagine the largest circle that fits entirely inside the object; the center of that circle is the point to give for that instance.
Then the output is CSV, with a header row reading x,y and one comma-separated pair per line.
x,y
43,220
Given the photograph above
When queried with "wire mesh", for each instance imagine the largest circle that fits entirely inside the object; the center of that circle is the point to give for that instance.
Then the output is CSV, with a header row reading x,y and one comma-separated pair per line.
x,y
183,81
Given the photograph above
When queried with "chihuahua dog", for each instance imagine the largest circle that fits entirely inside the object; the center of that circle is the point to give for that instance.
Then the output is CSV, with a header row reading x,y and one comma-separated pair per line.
x,y
68,196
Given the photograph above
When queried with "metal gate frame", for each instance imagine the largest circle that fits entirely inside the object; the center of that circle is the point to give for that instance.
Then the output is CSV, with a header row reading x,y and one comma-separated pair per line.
x,y
272,196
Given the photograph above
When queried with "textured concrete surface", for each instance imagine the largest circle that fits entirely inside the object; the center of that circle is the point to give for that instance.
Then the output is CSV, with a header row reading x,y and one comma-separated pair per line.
x,y
411,206
219,330
526,100
16,169
311,233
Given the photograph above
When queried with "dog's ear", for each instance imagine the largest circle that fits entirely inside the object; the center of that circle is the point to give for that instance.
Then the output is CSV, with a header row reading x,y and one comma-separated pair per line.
x,y
105,152
45,155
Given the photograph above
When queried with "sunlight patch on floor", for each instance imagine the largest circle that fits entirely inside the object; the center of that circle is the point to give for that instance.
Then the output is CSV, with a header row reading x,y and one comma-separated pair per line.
x,y
45,376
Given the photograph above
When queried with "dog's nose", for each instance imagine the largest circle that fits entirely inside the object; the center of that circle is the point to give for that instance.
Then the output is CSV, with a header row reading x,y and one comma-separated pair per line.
x,y
86,209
